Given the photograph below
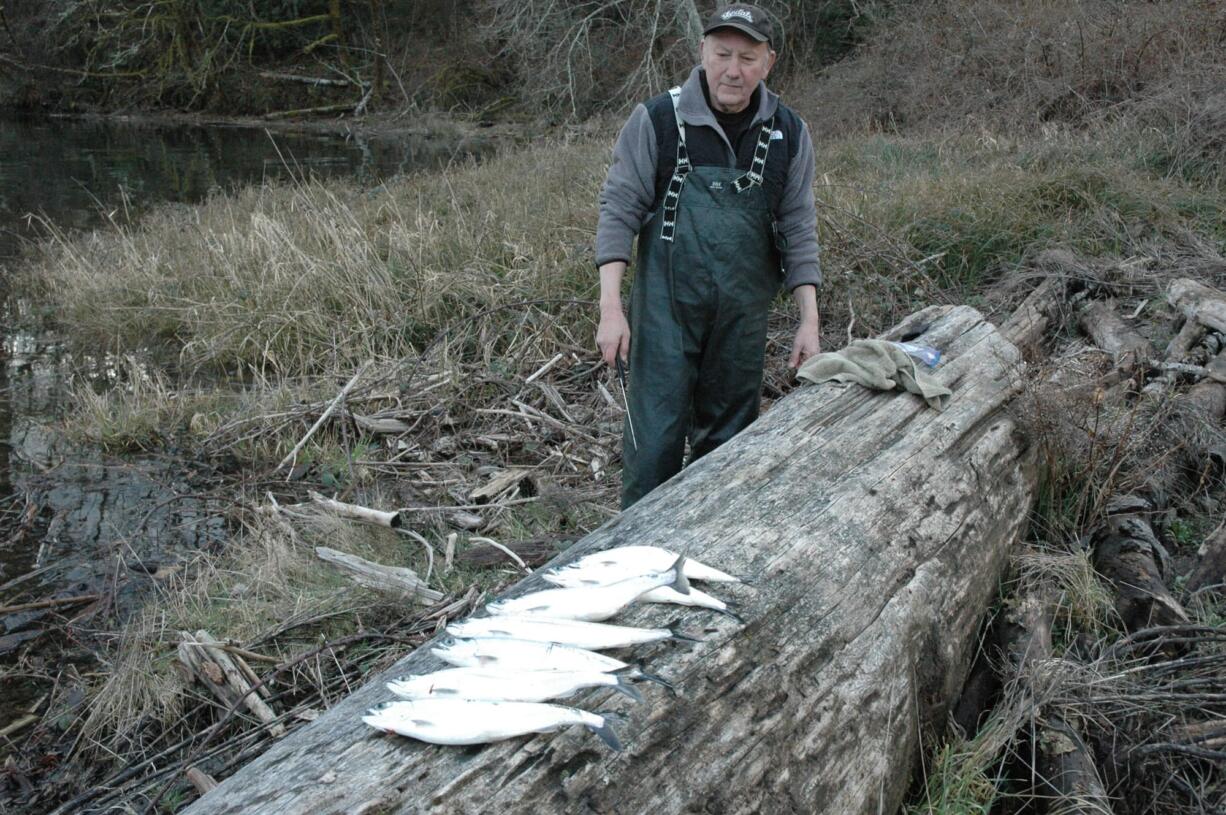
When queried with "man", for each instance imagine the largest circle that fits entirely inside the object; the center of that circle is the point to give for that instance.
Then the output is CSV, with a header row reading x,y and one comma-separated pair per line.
x,y
716,179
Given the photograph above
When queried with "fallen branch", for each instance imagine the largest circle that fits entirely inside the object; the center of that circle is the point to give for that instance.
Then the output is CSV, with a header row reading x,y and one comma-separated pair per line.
x,y
1204,304
390,520
505,550
306,80
1100,322
51,603
219,671
396,580
340,397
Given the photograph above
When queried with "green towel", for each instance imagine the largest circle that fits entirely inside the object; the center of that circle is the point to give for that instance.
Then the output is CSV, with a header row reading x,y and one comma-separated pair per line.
x,y
876,364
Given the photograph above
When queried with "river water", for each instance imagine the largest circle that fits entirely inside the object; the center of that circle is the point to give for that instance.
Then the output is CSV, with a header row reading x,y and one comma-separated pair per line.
x,y
71,521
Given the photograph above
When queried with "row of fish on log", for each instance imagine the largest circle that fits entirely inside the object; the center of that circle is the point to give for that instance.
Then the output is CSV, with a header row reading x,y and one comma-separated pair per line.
x,y
545,645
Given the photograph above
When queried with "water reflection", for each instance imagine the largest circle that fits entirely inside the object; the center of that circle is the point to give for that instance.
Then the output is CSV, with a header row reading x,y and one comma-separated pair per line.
x,y
71,171
76,174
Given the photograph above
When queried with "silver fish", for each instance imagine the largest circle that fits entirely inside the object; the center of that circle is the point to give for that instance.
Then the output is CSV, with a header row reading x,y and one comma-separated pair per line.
x,y
631,561
467,721
511,685
593,602
664,594
507,654
596,636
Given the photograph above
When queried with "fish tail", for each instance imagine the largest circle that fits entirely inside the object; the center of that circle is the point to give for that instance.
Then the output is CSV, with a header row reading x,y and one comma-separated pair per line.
x,y
624,687
681,585
605,731
635,672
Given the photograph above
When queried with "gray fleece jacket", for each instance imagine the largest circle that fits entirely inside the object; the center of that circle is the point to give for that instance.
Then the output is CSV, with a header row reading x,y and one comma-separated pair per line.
x,y
628,197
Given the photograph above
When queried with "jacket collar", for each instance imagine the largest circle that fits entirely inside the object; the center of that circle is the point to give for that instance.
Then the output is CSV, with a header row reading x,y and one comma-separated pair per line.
x,y
695,110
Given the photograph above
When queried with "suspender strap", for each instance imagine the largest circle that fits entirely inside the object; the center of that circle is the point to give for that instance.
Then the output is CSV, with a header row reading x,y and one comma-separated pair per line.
x,y
672,196
760,152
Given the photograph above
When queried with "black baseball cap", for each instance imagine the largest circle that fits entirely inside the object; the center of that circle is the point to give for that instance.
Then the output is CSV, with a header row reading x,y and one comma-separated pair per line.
x,y
749,20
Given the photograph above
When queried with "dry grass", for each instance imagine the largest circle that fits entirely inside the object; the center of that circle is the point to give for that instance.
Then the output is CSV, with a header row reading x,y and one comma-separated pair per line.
x,y
983,64
457,286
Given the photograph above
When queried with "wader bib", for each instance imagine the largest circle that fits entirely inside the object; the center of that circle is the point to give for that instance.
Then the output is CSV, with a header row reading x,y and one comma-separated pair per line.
x,y
708,270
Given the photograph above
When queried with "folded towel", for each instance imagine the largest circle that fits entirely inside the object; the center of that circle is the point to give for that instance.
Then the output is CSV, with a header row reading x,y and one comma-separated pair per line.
x,y
876,364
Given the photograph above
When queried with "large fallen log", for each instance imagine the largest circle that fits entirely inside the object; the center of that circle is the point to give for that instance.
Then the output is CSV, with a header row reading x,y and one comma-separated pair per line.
x,y
875,529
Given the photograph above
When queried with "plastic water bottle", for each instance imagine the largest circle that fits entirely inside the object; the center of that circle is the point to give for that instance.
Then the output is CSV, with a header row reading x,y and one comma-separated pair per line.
x,y
921,353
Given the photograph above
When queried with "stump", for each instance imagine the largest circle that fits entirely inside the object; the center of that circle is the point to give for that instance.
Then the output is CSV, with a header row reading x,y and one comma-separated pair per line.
x,y
875,529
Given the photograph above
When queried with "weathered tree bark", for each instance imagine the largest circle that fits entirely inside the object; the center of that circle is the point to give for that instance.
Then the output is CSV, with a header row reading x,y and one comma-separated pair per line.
x,y
1110,333
1128,554
1028,324
397,580
1199,302
875,529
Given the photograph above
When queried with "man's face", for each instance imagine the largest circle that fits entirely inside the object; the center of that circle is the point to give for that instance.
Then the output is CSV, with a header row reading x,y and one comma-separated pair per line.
x,y
734,64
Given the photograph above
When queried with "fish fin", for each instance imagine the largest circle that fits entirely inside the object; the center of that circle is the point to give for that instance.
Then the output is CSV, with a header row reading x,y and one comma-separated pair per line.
x,y
606,734
485,659
677,635
727,612
624,687
637,673
681,585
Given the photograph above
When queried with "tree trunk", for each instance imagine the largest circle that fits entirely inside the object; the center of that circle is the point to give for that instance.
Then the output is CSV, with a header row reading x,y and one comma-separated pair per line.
x,y
875,530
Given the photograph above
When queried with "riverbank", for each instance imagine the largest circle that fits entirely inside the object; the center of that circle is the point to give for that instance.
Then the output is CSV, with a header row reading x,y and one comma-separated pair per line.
x,y
454,311
425,345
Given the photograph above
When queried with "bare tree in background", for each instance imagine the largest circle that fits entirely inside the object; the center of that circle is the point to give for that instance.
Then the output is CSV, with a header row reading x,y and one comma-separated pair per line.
x,y
581,55
578,56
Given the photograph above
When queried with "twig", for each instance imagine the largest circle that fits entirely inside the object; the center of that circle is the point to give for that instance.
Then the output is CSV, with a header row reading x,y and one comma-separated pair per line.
x,y
340,397
544,368
51,603
491,542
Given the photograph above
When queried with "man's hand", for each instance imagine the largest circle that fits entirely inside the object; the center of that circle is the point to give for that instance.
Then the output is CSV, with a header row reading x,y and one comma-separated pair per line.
x,y
613,335
808,342
809,336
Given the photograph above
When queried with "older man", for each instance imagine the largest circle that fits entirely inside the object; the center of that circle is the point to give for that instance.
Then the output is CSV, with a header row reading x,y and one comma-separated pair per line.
x,y
716,180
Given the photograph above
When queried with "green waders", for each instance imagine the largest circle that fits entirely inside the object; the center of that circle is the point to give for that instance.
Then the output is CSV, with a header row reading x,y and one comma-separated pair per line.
x,y
707,273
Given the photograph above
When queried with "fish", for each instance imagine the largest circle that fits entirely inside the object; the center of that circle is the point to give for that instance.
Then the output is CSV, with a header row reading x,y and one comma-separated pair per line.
x,y
593,602
594,636
468,721
631,561
664,594
504,653
511,685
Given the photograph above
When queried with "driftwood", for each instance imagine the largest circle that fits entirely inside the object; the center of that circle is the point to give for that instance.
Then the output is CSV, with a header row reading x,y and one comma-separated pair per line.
x,y
1028,324
1183,342
498,484
1129,555
227,675
353,512
1110,333
875,530
1204,304
397,580
202,781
